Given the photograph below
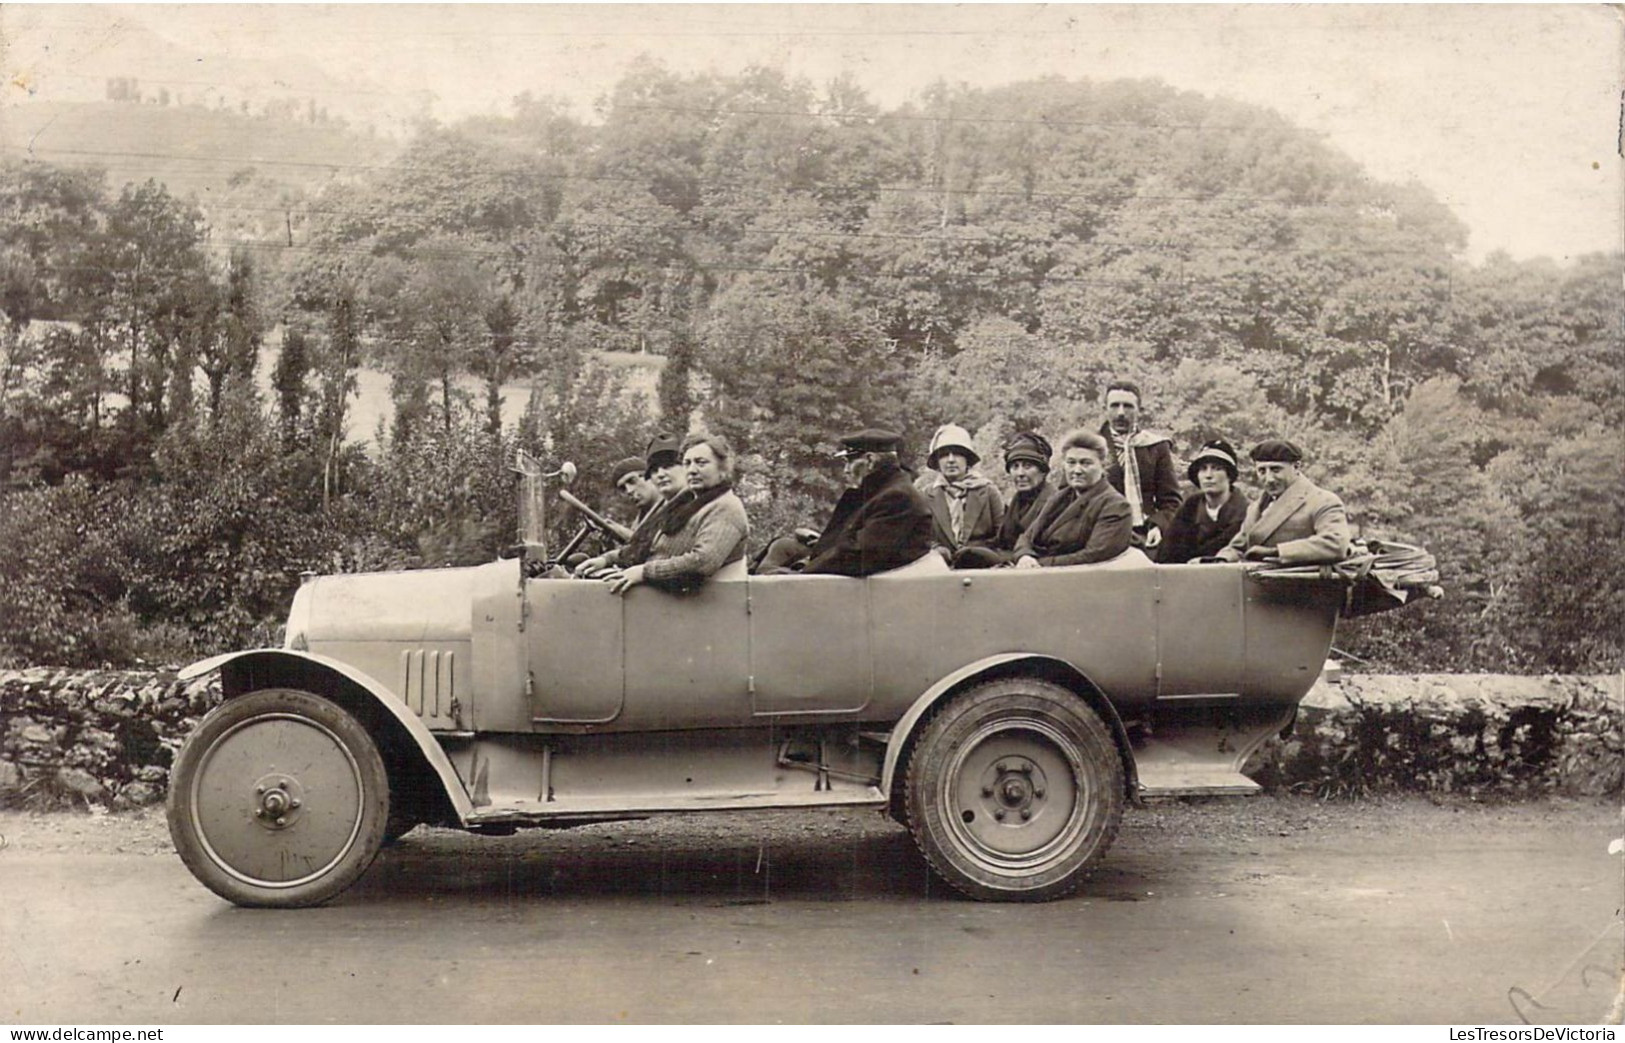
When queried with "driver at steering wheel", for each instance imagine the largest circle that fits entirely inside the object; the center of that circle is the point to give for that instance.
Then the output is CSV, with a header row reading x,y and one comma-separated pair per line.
x,y
652,484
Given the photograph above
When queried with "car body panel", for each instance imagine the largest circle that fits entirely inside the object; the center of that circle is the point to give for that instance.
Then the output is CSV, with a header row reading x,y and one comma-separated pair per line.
x,y
810,649
244,672
513,685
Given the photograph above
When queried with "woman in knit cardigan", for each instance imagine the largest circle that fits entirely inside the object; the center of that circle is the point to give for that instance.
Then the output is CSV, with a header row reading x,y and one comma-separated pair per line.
x,y
704,529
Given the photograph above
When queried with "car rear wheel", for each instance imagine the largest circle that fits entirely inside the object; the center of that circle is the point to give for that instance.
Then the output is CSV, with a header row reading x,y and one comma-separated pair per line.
x,y
279,798
1014,788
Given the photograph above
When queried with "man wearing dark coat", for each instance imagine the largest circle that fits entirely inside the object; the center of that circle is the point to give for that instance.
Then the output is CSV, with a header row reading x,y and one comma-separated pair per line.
x,y
881,521
664,459
1153,463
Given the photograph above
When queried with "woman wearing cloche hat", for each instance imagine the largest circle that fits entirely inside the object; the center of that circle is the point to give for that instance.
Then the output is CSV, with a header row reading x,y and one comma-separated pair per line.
x,y
1211,516
966,510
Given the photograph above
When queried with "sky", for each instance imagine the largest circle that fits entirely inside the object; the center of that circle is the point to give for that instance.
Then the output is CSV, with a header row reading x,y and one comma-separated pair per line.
x,y
1510,114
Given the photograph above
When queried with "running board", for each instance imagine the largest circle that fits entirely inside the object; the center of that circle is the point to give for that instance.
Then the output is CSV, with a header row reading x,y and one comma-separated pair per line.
x,y
1193,781
624,806
1199,751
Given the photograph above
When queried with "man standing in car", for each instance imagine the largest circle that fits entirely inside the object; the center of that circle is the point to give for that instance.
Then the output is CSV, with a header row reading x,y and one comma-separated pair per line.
x,y
1142,464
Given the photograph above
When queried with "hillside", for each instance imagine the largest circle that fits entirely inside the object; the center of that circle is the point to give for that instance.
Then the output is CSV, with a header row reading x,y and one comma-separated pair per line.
x,y
195,151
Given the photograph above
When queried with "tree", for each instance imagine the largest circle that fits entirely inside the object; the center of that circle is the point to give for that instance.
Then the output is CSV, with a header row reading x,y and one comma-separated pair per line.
x,y
788,372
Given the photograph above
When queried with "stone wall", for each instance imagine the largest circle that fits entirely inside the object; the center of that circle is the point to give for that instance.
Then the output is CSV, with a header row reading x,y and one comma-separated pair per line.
x,y
78,738
1478,734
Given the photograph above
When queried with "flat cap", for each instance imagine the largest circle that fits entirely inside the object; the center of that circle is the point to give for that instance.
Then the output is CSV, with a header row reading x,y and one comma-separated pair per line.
x,y
622,468
869,440
1276,451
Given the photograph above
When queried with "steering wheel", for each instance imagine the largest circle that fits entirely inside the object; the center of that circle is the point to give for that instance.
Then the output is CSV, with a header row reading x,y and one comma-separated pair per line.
x,y
609,529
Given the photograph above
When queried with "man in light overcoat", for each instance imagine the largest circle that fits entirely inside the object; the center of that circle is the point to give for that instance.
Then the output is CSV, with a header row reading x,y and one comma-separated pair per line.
x,y
1295,521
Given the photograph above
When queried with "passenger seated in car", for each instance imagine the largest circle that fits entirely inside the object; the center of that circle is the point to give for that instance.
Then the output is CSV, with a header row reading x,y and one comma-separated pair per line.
x,y
966,510
1295,521
631,478
1211,516
881,522
702,530
1086,521
1026,459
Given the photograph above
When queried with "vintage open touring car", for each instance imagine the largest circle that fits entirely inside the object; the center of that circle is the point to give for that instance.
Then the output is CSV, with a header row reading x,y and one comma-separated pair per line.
x,y
1005,717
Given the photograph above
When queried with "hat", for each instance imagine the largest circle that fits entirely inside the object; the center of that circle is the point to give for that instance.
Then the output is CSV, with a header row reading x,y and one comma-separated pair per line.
x,y
1030,446
1220,452
622,468
951,436
664,450
1276,451
869,440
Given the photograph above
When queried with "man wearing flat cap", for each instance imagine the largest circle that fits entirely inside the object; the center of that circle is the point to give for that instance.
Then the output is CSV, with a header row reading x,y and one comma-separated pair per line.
x,y
651,483
1295,521
881,521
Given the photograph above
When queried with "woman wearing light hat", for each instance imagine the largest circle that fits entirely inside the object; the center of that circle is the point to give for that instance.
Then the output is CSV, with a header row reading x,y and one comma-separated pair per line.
x,y
966,510
1210,517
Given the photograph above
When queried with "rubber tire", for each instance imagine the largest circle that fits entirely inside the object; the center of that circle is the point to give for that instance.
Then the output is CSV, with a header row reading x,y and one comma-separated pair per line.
x,y
345,747
401,822
943,786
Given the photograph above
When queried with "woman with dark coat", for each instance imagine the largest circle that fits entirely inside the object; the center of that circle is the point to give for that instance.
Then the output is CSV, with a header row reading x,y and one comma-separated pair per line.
x,y
1026,459
1087,521
1210,517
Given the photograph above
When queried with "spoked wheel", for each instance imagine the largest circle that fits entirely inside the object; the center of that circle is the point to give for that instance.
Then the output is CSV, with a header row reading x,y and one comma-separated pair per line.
x,y
279,798
1014,789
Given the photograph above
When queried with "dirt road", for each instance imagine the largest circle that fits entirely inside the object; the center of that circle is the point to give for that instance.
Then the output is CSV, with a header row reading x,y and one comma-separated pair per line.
x,y
1271,910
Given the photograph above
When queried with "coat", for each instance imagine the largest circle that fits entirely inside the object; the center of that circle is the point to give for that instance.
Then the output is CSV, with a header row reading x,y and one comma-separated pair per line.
x,y
715,536
1192,534
1306,525
636,550
1159,482
882,524
1078,527
1020,513
984,513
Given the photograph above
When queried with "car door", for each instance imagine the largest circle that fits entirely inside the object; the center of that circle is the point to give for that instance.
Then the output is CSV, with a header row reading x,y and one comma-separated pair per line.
x,y
686,656
810,649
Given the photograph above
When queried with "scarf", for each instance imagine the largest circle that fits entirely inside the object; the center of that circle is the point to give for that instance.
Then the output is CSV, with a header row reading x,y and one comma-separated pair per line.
x,y
686,504
1119,444
956,493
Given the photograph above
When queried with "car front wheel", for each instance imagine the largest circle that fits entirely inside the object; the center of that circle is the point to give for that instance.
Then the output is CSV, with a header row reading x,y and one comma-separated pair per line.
x,y
279,798
1014,788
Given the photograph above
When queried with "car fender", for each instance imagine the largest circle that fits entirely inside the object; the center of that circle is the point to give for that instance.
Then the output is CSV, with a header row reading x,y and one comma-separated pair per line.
x,y
1001,665
243,672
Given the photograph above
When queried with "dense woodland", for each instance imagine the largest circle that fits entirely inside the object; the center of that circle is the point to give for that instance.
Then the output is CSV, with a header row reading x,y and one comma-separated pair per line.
x,y
805,263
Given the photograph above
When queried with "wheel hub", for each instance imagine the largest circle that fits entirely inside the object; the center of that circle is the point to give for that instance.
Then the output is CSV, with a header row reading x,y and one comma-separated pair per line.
x,y
279,800
1013,794
1013,789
